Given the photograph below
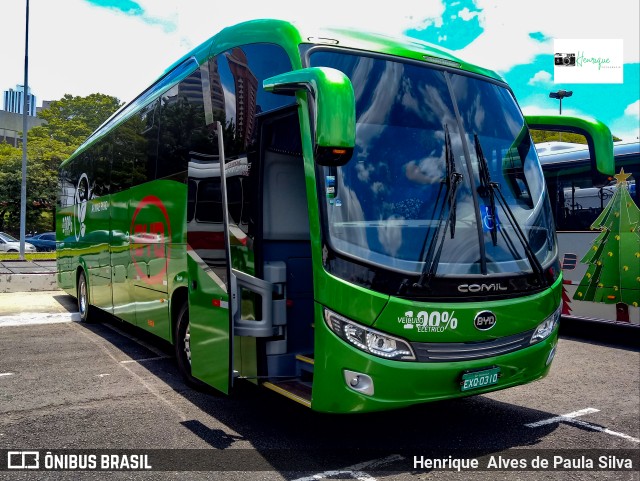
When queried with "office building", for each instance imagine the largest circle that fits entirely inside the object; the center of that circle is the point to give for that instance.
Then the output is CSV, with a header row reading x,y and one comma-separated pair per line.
x,y
14,101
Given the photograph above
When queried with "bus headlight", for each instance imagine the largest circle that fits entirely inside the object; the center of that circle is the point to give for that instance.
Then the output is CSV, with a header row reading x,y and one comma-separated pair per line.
x,y
547,326
367,339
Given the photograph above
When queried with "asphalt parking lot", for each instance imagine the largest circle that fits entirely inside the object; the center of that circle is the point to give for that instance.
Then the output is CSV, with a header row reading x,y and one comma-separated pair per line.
x,y
67,386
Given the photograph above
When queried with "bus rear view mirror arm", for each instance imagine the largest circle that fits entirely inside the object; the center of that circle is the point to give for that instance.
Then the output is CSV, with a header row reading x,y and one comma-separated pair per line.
x,y
597,134
334,121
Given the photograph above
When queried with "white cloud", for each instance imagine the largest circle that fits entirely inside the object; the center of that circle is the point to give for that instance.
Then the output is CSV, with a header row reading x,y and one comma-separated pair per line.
x,y
628,135
505,41
633,110
78,48
543,105
538,110
91,50
542,78
466,14
627,126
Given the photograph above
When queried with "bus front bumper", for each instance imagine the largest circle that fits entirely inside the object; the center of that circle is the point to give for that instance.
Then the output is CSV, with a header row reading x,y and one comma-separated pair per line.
x,y
396,384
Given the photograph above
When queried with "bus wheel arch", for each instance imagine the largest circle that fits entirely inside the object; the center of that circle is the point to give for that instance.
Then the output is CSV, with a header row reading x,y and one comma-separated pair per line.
x,y
179,298
182,346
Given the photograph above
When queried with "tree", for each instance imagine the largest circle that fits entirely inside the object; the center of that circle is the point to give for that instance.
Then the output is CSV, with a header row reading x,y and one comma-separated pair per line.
x,y
613,275
44,157
539,136
70,121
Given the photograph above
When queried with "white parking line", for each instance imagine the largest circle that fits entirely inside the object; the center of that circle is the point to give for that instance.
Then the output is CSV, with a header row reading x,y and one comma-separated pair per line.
x,y
570,418
565,417
2,374
601,429
356,471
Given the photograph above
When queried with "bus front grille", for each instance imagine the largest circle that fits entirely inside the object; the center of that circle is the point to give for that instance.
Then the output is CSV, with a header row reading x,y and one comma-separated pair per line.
x,y
467,351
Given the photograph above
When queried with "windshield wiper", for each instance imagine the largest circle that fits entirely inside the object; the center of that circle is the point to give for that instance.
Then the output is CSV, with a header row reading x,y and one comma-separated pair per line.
x,y
490,189
486,189
451,182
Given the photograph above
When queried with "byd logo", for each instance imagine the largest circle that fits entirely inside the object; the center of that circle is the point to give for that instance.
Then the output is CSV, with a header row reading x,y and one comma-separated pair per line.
x,y
484,320
150,227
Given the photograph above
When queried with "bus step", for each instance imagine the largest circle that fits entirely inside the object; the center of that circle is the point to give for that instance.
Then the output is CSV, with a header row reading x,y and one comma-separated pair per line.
x,y
304,366
293,389
306,358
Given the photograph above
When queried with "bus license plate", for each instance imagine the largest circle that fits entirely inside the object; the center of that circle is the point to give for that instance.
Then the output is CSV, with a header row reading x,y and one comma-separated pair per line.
x,y
480,379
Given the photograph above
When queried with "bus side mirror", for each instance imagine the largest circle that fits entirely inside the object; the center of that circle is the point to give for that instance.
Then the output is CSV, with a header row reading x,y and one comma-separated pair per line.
x,y
597,134
335,109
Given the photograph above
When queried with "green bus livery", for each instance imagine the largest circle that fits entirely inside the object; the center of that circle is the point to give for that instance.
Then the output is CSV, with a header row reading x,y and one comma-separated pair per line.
x,y
357,222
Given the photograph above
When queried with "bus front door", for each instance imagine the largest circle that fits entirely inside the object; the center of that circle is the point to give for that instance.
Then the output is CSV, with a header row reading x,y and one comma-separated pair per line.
x,y
210,284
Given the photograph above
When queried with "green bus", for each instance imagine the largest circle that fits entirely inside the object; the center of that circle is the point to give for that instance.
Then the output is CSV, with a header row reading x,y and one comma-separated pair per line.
x,y
356,222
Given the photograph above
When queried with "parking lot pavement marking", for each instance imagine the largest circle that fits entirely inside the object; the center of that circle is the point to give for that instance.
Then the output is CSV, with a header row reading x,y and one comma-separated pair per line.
x,y
356,471
158,395
602,429
4,374
570,418
144,360
564,417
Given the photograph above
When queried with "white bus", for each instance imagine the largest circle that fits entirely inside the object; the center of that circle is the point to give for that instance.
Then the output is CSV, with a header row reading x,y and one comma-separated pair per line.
x,y
578,198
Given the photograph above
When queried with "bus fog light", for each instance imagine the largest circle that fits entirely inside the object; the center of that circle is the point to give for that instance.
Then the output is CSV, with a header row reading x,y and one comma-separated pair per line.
x,y
547,326
359,382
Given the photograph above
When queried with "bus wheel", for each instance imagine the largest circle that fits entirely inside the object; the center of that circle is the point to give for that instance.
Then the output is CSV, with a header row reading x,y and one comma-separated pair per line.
x,y
183,348
83,298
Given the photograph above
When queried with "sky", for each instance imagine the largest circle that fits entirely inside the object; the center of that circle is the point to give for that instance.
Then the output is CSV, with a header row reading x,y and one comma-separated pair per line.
x,y
119,47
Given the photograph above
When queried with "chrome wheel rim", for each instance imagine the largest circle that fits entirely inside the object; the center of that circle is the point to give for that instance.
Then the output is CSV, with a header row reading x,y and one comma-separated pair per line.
x,y
83,297
187,344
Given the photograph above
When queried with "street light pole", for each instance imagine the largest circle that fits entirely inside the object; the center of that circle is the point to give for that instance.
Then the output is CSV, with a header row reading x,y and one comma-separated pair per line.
x,y
560,94
23,189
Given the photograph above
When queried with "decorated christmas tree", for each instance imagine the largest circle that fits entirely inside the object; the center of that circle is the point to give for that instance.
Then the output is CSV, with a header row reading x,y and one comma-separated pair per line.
x,y
613,275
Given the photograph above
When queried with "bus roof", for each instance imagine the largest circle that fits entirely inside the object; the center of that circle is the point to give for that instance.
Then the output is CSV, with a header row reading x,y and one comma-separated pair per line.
x,y
291,35
554,154
294,33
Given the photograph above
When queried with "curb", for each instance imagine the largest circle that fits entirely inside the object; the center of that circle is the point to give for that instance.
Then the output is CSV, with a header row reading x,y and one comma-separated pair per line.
x,y
32,318
42,307
28,282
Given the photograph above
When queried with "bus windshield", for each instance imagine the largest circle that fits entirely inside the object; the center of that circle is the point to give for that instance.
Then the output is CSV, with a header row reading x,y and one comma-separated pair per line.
x,y
444,176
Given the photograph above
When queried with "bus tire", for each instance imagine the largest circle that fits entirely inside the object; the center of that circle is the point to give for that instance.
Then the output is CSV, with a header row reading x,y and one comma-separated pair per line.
x,y
183,349
83,298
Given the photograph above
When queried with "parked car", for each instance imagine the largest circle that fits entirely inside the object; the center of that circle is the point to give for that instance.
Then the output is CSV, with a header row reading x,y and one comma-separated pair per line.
x,y
44,242
11,244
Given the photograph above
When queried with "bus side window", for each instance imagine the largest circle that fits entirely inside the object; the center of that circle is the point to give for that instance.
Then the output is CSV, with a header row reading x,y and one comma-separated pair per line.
x,y
101,167
122,159
578,200
183,128
149,126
